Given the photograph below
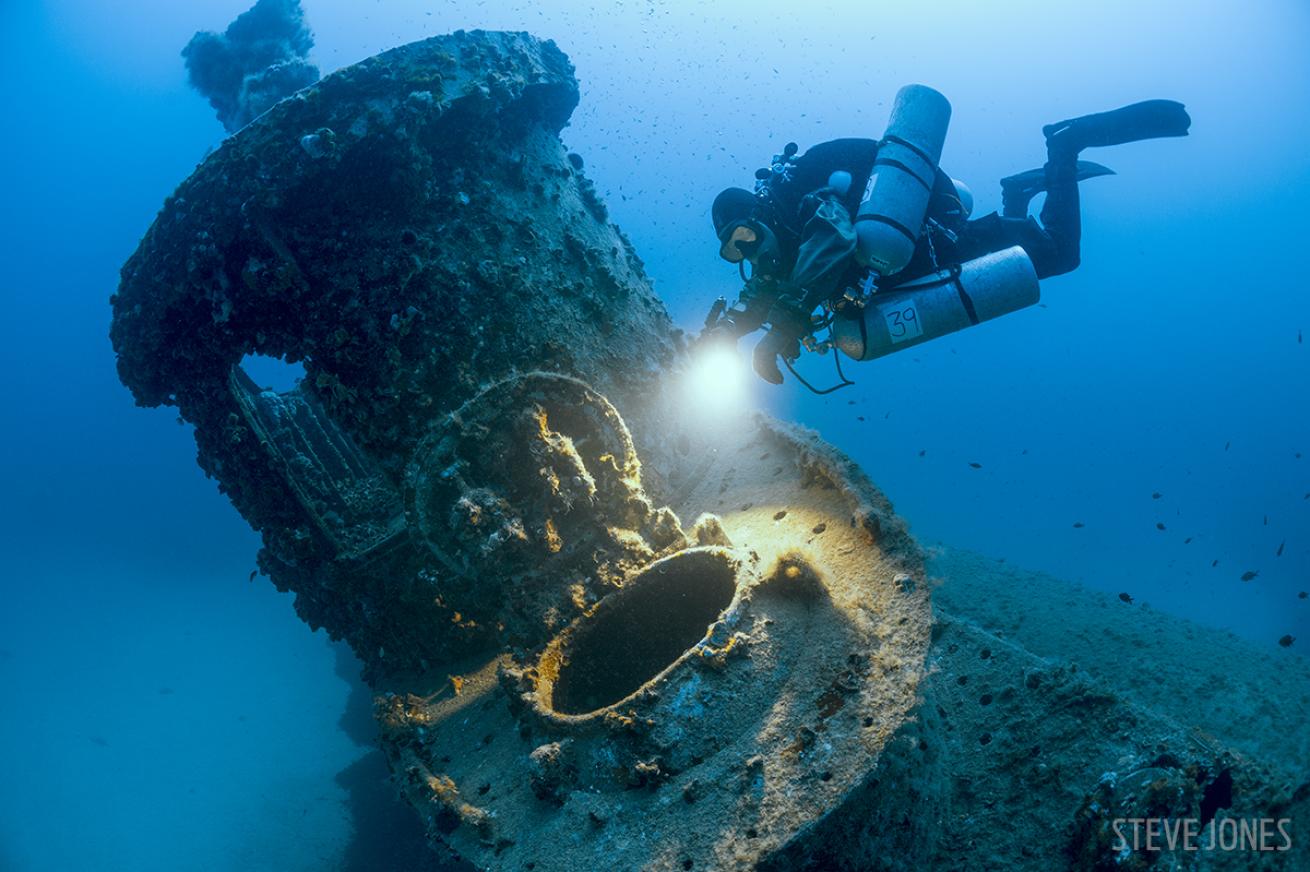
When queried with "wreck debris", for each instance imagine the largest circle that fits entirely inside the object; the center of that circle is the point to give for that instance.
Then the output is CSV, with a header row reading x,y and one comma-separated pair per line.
x,y
340,487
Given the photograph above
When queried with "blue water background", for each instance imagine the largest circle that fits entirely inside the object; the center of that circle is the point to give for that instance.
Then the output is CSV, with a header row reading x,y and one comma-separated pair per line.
x,y
162,712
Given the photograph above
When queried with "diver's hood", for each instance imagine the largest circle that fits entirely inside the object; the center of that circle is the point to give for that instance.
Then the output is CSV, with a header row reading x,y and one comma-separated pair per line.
x,y
732,205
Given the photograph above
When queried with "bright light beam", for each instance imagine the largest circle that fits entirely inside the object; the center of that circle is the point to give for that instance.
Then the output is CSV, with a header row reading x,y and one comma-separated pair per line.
x,y
716,380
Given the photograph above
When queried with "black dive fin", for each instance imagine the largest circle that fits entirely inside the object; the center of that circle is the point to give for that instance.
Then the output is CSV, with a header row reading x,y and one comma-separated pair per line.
x,y
1150,119
1018,190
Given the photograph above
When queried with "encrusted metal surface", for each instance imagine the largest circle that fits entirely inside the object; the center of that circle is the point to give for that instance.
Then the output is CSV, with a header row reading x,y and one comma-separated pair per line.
x,y
720,703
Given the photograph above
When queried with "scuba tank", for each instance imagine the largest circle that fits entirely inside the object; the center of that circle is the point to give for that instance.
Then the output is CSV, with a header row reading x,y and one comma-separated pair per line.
x,y
888,222
939,303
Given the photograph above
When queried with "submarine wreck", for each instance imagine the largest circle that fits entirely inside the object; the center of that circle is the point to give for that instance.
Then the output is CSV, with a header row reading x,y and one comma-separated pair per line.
x,y
600,636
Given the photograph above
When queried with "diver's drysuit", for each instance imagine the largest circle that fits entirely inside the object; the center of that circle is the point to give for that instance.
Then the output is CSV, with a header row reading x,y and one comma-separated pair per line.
x,y
803,249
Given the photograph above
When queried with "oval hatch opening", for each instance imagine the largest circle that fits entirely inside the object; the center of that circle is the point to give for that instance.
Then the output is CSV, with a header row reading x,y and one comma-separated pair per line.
x,y
639,631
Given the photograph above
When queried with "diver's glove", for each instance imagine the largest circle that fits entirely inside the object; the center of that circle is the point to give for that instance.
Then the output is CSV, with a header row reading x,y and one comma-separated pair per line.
x,y
765,360
789,322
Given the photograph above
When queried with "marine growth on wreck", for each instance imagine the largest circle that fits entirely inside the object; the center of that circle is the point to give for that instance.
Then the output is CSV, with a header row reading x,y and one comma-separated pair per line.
x,y
599,635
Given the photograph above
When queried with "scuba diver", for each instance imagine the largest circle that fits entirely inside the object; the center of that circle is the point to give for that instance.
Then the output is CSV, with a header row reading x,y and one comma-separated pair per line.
x,y
878,239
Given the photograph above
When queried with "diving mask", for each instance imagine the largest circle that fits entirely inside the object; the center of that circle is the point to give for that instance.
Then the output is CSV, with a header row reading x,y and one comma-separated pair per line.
x,y
739,243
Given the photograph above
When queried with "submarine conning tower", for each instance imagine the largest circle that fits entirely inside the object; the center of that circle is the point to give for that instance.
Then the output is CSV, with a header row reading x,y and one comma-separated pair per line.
x,y
410,228
483,483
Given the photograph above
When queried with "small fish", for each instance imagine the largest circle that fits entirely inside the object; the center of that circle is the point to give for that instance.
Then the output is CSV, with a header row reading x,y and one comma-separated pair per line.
x,y
1281,545
1187,541
1287,640
1298,337
1156,495
1126,597
778,516
1226,444
1025,451
1078,525
165,691
253,573
859,417
1303,595
1249,575
1266,520
104,743
924,451
1214,563
1159,525
975,465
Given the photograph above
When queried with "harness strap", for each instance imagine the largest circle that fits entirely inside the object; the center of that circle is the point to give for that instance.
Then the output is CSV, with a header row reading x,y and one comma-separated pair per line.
x,y
892,162
892,223
952,277
965,299
927,158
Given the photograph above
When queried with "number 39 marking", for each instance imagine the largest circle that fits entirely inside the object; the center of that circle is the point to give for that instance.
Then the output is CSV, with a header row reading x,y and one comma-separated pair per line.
x,y
902,321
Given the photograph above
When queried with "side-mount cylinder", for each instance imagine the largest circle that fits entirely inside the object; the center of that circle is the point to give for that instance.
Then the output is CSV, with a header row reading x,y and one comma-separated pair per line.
x,y
889,220
939,303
